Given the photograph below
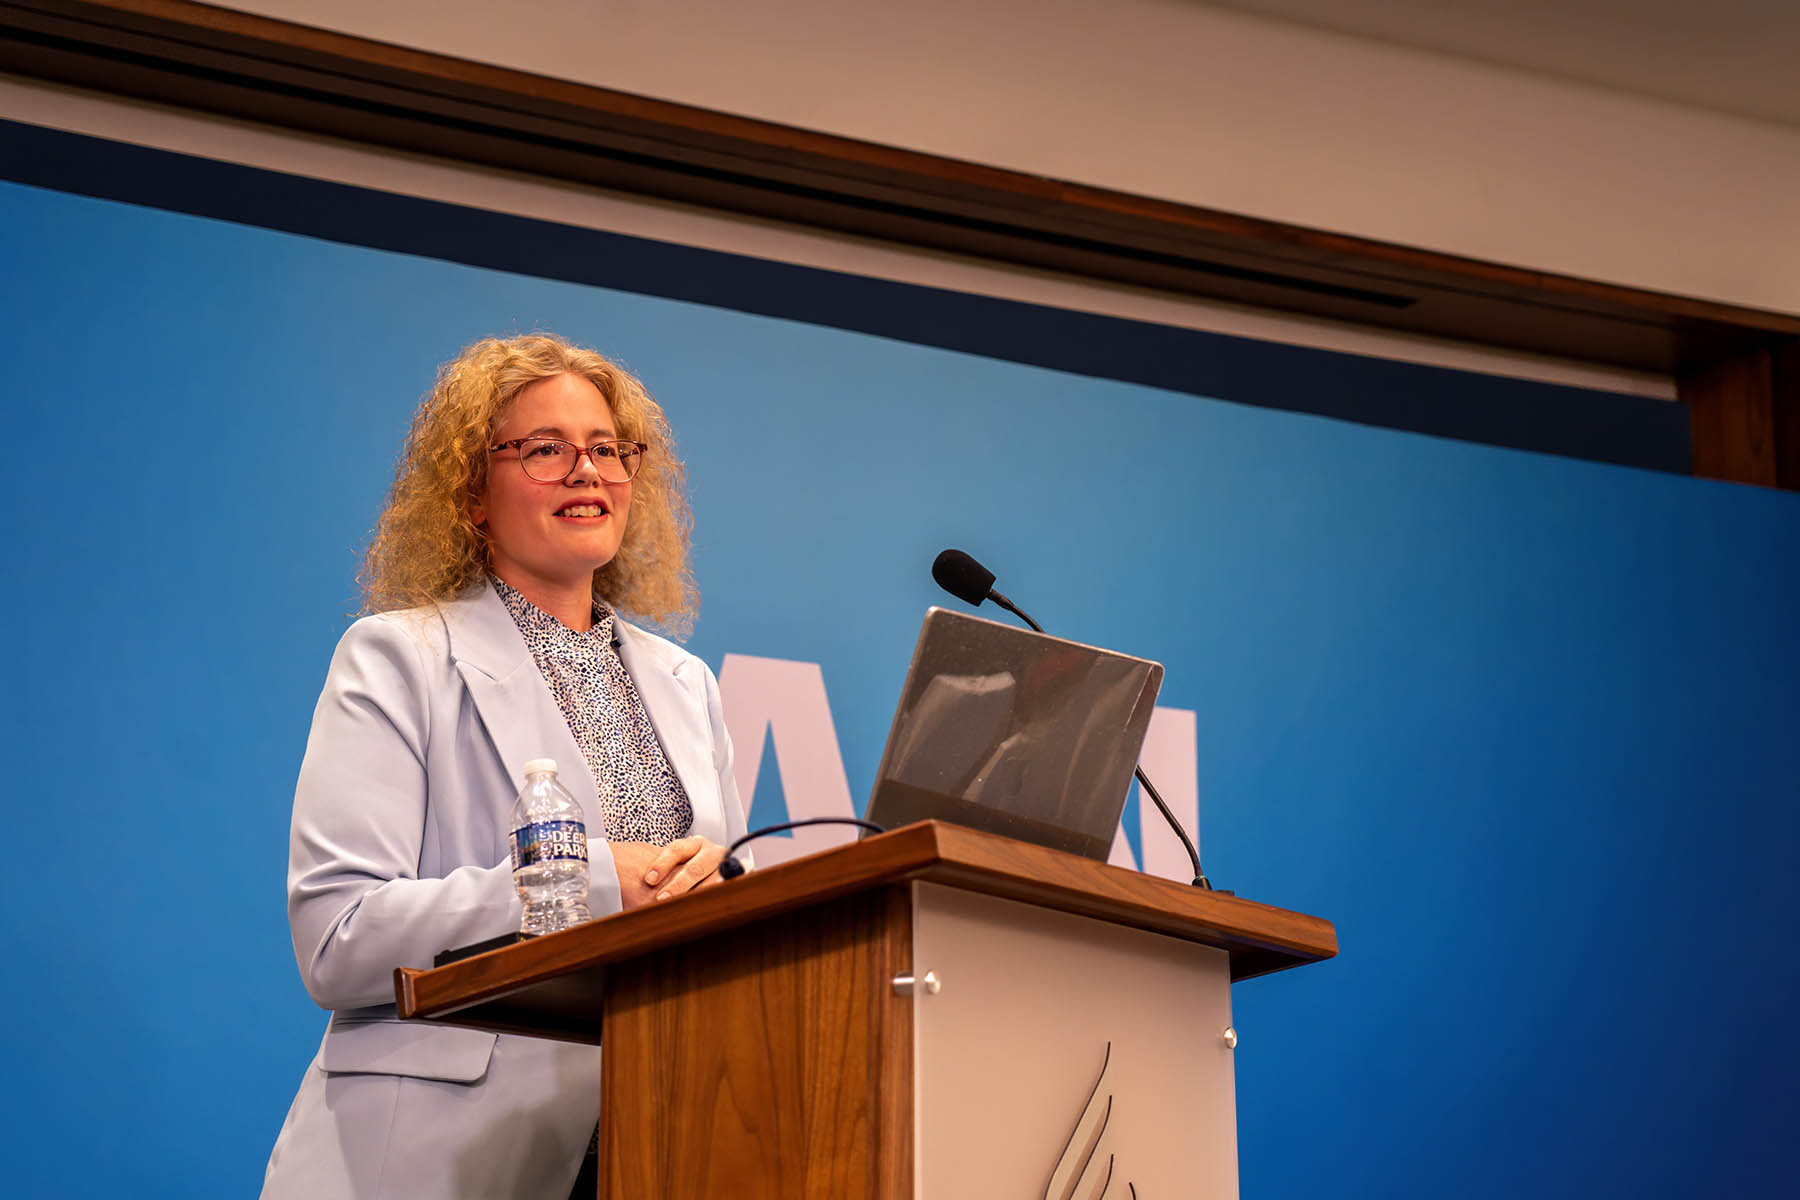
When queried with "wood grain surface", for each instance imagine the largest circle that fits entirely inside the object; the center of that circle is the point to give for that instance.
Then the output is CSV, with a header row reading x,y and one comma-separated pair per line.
x,y
551,984
771,1061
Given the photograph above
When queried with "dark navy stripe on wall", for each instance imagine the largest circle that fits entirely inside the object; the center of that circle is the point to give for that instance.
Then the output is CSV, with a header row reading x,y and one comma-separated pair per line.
x,y
1555,419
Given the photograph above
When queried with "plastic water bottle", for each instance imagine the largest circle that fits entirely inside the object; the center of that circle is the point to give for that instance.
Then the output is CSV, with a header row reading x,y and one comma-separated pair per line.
x,y
549,852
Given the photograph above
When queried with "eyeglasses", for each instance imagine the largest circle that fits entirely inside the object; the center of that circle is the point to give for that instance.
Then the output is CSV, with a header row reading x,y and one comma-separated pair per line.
x,y
552,460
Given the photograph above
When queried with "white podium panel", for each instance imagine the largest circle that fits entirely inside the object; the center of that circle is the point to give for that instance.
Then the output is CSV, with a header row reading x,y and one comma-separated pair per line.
x,y
1066,1057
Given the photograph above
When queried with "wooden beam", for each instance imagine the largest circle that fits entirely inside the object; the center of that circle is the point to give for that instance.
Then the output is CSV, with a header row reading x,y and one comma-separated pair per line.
x,y
1731,403
255,68
1784,415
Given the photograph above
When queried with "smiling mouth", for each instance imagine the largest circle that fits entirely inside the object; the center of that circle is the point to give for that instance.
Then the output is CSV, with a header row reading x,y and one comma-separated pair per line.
x,y
582,510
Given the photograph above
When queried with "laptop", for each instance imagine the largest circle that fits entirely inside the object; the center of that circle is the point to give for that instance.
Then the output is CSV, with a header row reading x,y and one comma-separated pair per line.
x,y
1015,732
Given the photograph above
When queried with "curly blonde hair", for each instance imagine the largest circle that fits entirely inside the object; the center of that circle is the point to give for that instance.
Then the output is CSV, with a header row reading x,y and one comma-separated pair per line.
x,y
426,546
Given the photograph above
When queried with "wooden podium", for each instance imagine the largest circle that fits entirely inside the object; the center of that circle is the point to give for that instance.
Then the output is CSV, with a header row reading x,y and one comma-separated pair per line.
x,y
934,1012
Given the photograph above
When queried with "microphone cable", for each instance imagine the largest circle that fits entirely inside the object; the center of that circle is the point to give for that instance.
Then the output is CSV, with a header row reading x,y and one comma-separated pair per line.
x,y
731,868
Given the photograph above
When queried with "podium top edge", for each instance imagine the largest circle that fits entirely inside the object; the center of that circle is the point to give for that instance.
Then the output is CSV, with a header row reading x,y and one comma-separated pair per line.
x,y
1259,938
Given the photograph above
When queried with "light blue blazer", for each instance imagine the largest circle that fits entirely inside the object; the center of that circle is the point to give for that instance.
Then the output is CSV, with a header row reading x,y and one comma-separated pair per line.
x,y
399,850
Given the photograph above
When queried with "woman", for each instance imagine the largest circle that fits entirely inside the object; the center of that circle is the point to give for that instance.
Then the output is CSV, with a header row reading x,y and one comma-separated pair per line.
x,y
537,493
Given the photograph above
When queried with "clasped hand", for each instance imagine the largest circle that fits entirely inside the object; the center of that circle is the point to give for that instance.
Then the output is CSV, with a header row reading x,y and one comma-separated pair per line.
x,y
648,873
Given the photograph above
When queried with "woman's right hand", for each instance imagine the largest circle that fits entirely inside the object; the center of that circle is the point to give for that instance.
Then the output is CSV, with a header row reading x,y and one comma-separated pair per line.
x,y
682,865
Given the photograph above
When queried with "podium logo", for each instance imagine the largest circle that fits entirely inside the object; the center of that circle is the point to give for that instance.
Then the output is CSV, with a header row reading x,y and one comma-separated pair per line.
x,y
1085,1170
775,700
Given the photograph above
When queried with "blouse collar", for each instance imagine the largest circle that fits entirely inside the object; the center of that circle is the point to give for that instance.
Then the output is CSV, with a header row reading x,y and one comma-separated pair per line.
x,y
533,620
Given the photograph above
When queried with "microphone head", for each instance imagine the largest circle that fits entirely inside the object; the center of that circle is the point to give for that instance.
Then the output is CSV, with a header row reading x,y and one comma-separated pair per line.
x,y
962,577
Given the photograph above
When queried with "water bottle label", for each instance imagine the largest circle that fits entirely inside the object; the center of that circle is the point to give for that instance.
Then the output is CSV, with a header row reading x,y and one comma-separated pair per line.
x,y
548,840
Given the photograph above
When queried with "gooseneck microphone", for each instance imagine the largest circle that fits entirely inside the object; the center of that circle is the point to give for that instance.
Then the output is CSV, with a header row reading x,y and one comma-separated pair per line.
x,y
969,581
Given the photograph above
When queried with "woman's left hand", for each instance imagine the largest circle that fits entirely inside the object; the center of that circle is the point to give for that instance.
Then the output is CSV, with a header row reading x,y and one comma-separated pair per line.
x,y
684,864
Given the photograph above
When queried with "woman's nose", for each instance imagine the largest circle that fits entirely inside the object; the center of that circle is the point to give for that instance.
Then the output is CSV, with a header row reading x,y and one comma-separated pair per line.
x,y
585,467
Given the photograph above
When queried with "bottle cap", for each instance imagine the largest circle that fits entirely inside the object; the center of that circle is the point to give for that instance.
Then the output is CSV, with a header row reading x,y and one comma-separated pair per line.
x,y
539,765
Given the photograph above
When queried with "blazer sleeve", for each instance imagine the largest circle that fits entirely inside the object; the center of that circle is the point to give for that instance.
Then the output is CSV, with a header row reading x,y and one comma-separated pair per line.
x,y
356,905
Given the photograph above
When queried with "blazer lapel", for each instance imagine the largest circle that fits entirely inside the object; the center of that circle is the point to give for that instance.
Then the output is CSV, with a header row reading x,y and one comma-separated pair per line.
x,y
674,697
513,700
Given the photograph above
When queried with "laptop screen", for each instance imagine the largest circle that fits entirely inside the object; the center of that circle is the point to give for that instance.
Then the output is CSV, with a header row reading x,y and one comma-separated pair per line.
x,y
1015,732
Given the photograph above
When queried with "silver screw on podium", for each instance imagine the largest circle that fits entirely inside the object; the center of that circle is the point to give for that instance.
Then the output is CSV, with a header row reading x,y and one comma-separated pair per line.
x,y
903,984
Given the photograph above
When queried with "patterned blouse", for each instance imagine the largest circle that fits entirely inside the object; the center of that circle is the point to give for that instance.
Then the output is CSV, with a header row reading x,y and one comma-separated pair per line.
x,y
641,799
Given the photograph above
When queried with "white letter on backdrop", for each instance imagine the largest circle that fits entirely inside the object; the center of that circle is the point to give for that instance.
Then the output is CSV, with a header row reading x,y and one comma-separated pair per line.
x,y
787,701
1171,759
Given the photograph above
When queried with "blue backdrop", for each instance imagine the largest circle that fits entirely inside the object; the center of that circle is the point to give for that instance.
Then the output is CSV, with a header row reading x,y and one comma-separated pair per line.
x,y
1522,726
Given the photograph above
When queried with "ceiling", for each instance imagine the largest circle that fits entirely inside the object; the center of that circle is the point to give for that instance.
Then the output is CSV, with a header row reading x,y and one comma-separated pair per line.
x,y
1736,56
